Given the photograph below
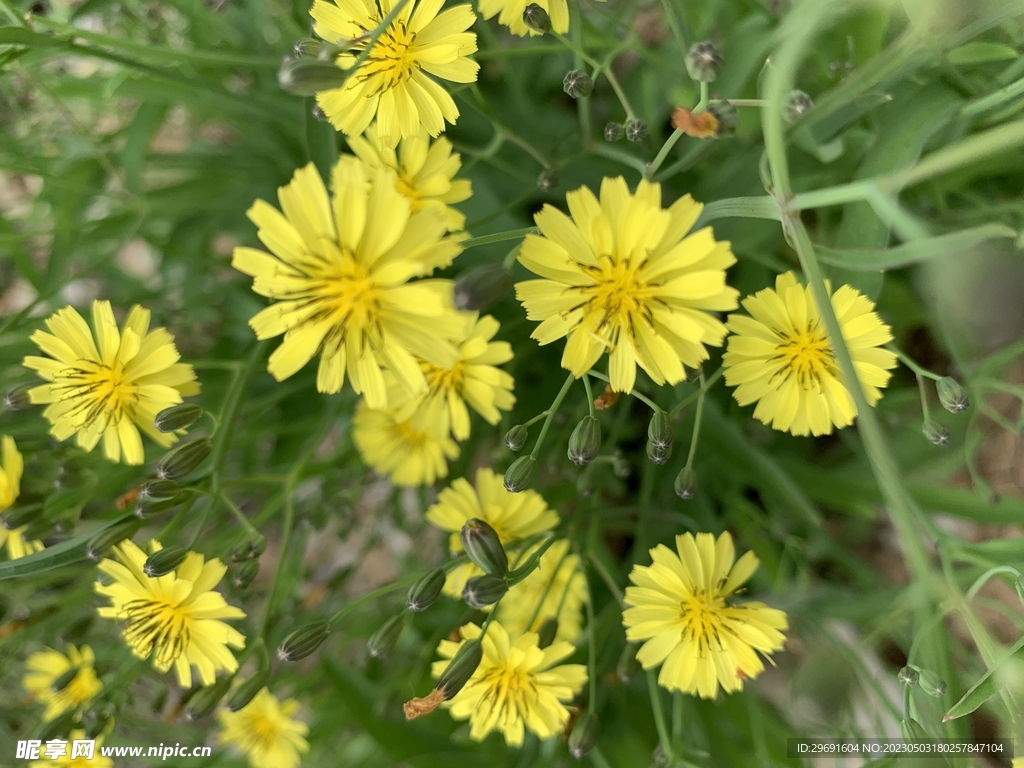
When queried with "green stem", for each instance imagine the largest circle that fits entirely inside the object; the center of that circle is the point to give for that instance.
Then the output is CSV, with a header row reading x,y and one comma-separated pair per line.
x,y
239,515
387,589
286,537
696,422
606,577
535,419
13,13
551,414
703,103
925,410
592,642
601,69
582,104
663,153
676,23
659,717
912,364
642,398
498,237
590,397
712,380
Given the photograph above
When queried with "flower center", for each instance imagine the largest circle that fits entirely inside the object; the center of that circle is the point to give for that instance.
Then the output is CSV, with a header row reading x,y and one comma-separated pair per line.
x,y
262,731
444,379
406,434
156,625
702,618
97,392
617,295
344,289
807,355
391,61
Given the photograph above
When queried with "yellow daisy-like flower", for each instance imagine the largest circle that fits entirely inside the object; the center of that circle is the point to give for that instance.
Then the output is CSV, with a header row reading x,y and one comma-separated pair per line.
x,y
556,589
394,84
176,618
265,731
518,685
45,667
624,276
95,759
110,387
10,488
512,14
424,171
513,516
473,378
680,608
409,442
339,278
781,357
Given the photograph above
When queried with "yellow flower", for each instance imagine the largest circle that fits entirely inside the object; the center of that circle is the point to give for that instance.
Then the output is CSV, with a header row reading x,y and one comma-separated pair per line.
x,y
409,442
425,171
555,590
394,82
781,357
517,686
473,378
512,14
113,389
623,276
513,516
264,731
176,618
680,607
45,667
340,276
96,760
10,489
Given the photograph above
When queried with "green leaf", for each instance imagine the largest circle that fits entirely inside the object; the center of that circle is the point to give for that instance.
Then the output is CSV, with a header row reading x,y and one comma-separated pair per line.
x,y
873,259
984,689
22,36
981,53
147,121
66,553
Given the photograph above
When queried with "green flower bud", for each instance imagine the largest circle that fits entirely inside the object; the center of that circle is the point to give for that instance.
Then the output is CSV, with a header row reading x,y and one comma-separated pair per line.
x,y
628,666
585,441
181,416
686,483
460,669
16,398
518,475
424,592
911,730
146,509
483,547
659,438
302,642
614,132
727,115
164,561
207,699
254,546
318,114
536,18
16,517
307,48
64,680
244,572
100,544
516,437
797,105
60,728
383,641
182,460
636,130
307,77
482,286
481,591
908,676
548,180
952,395
547,632
703,62
658,455
936,433
584,735
931,683
578,84
157,490
247,691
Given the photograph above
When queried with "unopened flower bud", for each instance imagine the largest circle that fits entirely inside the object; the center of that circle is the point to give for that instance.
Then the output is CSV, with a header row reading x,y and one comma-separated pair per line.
x,y
383,641
254,546
931,683
936,433
181,461
100,544
547,632
207,699
703,62
482,591
578,84
424,592
163,561
686,483
461,668
482,286
307,77
181,416
16,398
628,665
518,475
908,676
307,48
548,180
244,572
302,642
952,395
483,547
536,18
614,132
911,730
636,130
147,509
17,517
659,437
727,116
157,490
585,441
247,691
584,735
318,113
658,455
516,437
797,105
64,680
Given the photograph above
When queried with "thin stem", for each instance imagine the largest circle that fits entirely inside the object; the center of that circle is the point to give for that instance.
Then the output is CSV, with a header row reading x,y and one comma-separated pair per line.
x,y
535,419
286,537
592,649
590,396
696,422
606,577
498,237
583,103
663,153
748,102
551,414
603,68
924,398
387,589
676,23
239,515
913,365
13,13
703,103
650,403
544,595
712,380
659,717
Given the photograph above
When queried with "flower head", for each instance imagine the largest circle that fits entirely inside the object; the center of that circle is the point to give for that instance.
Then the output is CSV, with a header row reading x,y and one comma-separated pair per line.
x,y
409,442
557,586
781,357
394,83
112,386
339,278
10,488
176,618
680,607
265,732
92,759
511,14
513,516
45,667
424,171
517,686
623,276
